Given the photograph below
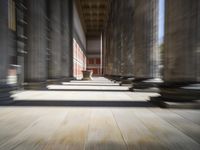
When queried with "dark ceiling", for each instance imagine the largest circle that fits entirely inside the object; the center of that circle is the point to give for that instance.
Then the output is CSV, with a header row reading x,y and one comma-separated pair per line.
x,y
94,14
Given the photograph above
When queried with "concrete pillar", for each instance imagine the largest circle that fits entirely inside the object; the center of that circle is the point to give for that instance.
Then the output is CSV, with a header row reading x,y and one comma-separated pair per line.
x,y
107,52
115,49
67,37
145,40
126,38
36,64
104,52
181,51
181,48
20,40
114,40
54,63
118,42
146,43
126,41
120,36
109,55
3,40
4,58
111,43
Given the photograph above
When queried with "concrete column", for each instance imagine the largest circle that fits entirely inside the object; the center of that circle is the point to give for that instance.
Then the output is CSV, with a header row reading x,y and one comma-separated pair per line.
x,y
35,65
4,58
181,51
111,43
116,60
181,48
104,52
198,45
126,38
54,14
114,40
3,40
66,35
118,42
146,43
109,53
121,45
145,40
126,41
112,54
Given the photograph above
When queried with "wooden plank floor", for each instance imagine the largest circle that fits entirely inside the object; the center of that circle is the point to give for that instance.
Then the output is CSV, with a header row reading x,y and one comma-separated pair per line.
x,y
95,115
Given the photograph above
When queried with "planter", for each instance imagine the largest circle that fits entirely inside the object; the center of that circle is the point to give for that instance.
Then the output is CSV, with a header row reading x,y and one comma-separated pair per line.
x,y
87,74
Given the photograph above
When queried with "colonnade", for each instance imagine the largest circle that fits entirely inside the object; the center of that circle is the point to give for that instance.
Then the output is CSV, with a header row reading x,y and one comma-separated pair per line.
x,y
47,40
180,73
130,45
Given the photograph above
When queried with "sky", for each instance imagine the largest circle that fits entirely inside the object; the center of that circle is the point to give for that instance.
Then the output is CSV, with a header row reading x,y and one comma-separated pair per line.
x,y
161,20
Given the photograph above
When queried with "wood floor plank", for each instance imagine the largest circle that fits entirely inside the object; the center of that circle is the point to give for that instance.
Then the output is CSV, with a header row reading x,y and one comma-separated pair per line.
x,y
36,135
184,125
104,133
136,135
192,115
72,132
16,121
170,136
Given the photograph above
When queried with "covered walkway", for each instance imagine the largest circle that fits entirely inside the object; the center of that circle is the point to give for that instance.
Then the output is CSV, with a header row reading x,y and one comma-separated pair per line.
x,y
145,59
96,115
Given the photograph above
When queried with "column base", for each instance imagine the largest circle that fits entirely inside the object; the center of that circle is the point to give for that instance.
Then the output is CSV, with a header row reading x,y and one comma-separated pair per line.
x,y
126,80
5,94
146,85
67,79
54,81
35,85
177,96
107,76
72,78
115,78
59,81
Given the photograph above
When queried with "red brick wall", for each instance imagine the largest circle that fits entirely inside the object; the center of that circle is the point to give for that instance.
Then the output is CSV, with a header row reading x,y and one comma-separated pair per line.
x,y
79,60
94,63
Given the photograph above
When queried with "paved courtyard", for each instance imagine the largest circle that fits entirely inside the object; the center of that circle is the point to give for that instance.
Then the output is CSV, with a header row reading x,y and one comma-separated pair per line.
x,y
95,115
